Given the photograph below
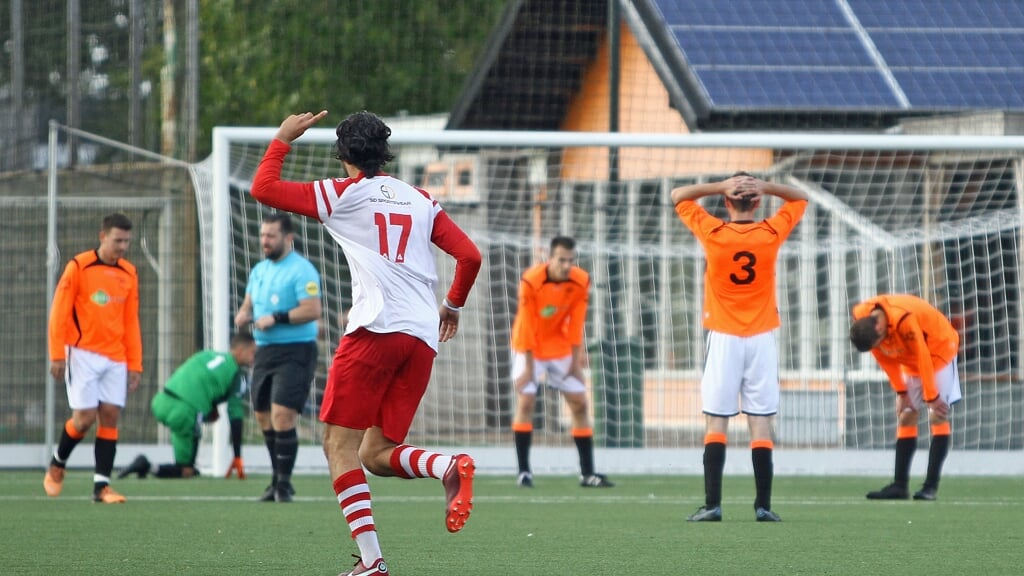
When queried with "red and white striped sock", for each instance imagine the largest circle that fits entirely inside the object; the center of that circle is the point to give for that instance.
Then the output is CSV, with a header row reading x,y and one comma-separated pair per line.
x,y
354,499
412,462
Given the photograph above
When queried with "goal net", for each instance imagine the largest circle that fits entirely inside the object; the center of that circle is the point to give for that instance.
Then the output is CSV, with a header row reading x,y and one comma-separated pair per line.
x,y
939,217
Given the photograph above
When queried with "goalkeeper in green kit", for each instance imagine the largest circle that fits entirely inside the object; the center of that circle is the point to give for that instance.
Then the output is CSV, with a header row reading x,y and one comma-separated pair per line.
x,y
190,398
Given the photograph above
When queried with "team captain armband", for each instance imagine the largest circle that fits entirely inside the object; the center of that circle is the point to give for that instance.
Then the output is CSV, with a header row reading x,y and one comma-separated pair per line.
x,y
449,306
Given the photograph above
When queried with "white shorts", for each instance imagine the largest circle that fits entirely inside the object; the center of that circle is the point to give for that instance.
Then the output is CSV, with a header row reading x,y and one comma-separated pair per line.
x,y
741,369
947,381
554,373
93,378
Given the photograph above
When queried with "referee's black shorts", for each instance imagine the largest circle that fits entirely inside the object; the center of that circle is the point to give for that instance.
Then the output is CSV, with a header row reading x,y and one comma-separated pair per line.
x,y
283,374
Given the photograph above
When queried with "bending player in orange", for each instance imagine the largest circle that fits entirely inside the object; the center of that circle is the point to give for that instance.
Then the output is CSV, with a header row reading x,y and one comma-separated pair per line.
x,y
741,314
916,346
547,340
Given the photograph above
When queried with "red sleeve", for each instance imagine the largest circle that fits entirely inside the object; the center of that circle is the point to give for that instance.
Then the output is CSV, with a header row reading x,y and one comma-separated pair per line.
x,y
449,237
269,189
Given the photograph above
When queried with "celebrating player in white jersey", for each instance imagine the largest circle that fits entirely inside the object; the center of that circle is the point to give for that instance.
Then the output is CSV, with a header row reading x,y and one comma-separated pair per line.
x,y
383,363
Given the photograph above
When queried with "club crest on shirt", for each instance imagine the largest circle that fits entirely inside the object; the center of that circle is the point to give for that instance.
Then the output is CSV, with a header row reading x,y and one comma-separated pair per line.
x,y
312,288
548,311
274,299
100,298
387,192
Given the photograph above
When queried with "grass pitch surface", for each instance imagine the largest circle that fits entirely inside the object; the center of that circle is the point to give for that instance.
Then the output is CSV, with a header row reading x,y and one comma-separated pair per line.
x,y
216,526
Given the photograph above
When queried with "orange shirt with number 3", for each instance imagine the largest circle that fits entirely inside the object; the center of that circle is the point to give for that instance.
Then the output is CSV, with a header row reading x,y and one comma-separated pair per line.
x,y
739,281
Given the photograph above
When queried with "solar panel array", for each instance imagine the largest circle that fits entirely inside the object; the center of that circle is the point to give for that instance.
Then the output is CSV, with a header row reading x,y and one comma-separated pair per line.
x,y
852,55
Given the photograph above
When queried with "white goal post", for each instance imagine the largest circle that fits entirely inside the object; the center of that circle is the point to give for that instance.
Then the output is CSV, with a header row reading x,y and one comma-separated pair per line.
x,y
938,216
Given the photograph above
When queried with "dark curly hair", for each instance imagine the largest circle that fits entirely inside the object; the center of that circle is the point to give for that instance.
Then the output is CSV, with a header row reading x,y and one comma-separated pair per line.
x,y
363,142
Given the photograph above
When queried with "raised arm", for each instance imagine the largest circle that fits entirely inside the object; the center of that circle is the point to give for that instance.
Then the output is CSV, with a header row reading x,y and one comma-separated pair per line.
x,y
267,186
787,193
695,191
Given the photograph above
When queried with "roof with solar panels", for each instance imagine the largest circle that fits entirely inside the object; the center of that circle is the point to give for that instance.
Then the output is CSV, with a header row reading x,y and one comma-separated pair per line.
x,y
759,64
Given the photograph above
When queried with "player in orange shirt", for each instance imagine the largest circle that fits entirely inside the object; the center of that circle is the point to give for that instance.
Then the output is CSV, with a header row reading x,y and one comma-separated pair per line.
x,y
740,313
916,346
547,340
96,348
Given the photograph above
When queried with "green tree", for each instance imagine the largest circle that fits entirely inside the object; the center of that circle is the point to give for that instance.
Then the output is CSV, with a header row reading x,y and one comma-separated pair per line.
x,y
263,60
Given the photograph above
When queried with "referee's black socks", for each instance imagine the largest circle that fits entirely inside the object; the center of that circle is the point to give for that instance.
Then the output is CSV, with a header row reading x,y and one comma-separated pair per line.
x,y
286,448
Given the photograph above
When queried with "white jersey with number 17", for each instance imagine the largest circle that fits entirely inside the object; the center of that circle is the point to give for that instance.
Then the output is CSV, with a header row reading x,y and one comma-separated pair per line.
x,y
384,227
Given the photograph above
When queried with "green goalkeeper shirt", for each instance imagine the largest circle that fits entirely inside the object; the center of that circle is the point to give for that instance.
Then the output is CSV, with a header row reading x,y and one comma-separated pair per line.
x,y
208,378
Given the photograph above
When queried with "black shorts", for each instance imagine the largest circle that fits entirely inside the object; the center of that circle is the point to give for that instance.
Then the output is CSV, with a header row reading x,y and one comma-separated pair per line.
x,y
283,374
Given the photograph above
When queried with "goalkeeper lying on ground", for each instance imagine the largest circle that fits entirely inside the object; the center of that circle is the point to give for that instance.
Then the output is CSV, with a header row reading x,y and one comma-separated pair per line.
x,y
191,397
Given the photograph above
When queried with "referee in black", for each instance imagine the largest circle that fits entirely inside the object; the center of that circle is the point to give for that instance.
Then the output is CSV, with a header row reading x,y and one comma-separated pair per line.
x,y
282,301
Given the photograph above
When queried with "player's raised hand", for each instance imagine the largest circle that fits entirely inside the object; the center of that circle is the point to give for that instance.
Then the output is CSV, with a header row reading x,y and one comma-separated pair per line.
x,y
738,186
296,125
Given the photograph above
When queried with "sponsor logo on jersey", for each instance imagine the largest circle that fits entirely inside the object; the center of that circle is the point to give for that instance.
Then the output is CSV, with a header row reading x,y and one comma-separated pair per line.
x,y
387,192
100,298
548,311
312,288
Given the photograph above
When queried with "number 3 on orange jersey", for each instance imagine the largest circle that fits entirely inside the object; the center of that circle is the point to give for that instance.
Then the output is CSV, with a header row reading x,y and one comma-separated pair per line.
x,y
747,267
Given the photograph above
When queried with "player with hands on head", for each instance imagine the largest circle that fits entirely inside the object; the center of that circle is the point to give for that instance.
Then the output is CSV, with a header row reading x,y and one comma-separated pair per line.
x,y
386,229
95,345
547,348
916,346
190,397
741,370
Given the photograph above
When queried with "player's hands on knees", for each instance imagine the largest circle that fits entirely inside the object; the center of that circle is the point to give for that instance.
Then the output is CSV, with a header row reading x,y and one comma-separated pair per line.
x,y
939,408
523,379
236,467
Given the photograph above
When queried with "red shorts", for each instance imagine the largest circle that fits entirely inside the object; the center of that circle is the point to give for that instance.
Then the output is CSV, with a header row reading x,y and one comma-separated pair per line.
x,y
377,380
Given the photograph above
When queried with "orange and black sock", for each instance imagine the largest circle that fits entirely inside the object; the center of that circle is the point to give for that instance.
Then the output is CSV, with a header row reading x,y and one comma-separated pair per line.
x,y
906,445
584,439
764,471
714,465
104,450
523,435
69,438
937,454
